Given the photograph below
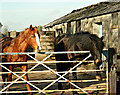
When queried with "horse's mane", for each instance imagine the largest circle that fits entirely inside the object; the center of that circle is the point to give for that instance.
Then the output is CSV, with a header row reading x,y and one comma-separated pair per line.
x,y
19,38
61,37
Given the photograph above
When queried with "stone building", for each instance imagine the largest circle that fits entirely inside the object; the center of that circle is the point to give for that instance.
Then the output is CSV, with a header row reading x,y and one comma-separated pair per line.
x,y
12,34
101,19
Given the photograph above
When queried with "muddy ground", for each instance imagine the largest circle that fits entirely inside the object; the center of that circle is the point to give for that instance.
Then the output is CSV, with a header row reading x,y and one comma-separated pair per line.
x,y
95,84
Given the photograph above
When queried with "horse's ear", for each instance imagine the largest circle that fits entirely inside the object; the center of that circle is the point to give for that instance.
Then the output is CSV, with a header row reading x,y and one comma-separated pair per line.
x,y
31,26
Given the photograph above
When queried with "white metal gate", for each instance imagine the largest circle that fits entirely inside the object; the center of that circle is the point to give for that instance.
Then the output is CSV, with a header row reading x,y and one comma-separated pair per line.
x,y
43,63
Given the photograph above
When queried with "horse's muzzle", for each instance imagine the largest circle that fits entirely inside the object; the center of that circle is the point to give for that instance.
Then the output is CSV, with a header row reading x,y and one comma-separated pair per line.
x,y
39,48
98,62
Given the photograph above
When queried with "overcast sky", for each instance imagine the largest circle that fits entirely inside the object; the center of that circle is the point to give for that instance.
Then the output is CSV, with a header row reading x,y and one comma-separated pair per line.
x,y
19,14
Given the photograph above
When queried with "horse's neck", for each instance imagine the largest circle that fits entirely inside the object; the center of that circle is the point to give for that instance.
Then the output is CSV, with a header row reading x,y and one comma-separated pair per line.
x,y
19,43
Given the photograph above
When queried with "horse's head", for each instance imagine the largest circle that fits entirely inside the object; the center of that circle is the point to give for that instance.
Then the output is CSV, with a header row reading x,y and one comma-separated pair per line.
x,y
33,37
97,49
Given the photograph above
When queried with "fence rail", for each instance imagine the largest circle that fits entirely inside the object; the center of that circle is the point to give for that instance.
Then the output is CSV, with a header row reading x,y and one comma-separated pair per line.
x,y
58,72
40,81
27,53
43,63
54,90
89,61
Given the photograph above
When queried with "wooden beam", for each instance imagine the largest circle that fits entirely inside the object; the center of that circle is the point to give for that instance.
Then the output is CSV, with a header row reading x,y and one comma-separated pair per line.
x,y
78,25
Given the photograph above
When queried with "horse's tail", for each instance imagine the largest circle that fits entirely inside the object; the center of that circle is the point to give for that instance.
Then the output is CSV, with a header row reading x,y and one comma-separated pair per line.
x,y
5,41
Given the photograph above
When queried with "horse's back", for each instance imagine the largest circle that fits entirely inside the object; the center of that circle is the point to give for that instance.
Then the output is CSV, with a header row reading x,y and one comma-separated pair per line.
x,y
83,40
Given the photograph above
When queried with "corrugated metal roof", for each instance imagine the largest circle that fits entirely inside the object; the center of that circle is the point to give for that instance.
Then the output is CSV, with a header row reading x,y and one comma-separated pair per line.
x,y
87,12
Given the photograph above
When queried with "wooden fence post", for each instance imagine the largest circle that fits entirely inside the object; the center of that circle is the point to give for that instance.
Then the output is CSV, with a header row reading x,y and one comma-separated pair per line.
x,y
118,83
118,87
112,67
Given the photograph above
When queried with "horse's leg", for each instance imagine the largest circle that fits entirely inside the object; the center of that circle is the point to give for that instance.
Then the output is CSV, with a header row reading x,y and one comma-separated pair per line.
x,y
60,87
75,78
75,74
24,68
62,67
98,74
4,77
10,75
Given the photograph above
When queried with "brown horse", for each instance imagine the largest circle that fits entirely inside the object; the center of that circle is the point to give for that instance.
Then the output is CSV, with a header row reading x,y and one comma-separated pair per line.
x,y
83,41
19,44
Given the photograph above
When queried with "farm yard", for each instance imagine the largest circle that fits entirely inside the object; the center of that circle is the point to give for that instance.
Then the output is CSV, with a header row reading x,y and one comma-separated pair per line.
x,y
88,37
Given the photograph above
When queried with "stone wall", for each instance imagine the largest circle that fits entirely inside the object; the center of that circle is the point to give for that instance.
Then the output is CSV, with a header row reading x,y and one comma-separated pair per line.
x,y
47,40
47,43
93,26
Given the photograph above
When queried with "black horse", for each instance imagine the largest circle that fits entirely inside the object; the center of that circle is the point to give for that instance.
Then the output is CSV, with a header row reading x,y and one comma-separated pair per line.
x,y
82,41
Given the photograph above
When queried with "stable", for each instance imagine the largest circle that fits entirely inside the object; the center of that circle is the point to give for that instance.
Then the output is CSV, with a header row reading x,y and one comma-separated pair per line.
x,y
102,19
